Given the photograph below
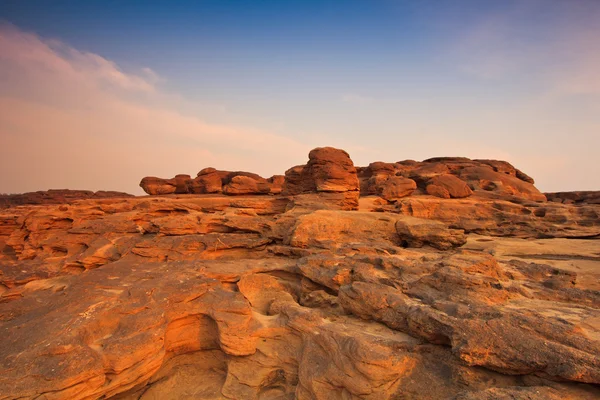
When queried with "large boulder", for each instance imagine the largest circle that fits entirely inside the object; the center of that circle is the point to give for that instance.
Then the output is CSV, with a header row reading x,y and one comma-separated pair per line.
x,y
182,183
153,185
332,170
328,170
396,187
373,177
448,187
240,185
208,180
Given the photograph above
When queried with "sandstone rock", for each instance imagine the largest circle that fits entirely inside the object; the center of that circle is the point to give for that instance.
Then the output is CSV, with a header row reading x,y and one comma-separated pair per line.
x,y
448,187
182,183
381,168
332,170
328,170
506,218
56,196
506,168
426,171
396,187
297,180
484,177
416,232
588,197
276,182
206,171
504,184
298,296
324,201
154,186
241,184
207,181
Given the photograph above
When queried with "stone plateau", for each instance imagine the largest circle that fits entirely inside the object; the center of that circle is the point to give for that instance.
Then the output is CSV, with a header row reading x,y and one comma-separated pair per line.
x,y
449,278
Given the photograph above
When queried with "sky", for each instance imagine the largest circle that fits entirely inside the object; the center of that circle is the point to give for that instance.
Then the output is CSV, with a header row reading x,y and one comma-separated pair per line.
x,y
98,94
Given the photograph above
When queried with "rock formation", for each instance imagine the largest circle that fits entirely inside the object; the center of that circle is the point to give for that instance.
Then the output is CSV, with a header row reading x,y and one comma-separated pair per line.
x,y
451,177
210,180
589,197
315,293
55,196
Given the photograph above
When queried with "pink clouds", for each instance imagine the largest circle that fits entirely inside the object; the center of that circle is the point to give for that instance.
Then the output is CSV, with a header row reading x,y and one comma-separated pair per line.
x,y
73,119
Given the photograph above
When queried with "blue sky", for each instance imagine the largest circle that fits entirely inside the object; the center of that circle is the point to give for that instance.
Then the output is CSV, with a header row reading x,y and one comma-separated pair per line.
x,y
253,85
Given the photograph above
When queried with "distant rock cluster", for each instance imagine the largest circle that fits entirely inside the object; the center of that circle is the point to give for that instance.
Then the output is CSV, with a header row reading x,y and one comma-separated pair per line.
x,y
447,178
331,173
55,196
210,180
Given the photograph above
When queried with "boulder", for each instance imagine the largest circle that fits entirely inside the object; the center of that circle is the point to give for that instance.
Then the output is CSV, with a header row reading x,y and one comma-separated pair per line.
x,y
276,182
182,183
328,170
154,186
484,177
396,187
332,170
240,185
209,182
448,187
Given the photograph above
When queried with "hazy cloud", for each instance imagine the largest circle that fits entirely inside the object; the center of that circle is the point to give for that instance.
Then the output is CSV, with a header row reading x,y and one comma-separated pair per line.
x,y
77,120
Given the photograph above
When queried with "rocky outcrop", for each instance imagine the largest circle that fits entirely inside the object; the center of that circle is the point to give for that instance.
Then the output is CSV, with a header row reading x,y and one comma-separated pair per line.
x,y
396,187
451,177
448,187
587,197
416,232
55,196
215,295
240,184
210,180
328,170
153,185
250,297
331,170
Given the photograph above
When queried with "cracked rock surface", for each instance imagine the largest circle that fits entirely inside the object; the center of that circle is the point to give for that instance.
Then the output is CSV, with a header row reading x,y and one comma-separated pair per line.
x,y
213,296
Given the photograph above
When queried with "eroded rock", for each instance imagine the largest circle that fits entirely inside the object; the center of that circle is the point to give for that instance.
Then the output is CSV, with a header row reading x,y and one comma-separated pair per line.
x,y
300,295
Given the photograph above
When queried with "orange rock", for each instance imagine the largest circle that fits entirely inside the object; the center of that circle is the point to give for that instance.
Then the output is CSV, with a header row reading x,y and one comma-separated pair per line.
x,y
494,295
448,187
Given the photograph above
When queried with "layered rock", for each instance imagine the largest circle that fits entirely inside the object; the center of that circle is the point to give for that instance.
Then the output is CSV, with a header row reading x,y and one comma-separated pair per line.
x,y
56,196
209,180
584,197
451,177
299,295
328,170
448,187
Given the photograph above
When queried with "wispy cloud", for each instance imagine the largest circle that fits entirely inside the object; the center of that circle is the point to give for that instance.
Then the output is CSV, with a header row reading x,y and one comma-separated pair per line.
x,y
70,118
